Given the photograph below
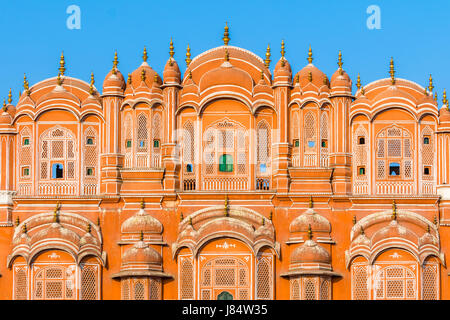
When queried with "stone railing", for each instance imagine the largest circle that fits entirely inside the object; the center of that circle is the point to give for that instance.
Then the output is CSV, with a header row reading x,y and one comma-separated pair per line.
x,y
225,183
58,188
394,187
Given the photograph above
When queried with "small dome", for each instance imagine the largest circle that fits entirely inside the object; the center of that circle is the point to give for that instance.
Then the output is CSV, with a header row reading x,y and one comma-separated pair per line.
x,y
226,74
311,72
310,252
394,92
172,72
261,88
113,82
283,71
141,253
5,118
341,82
136,75
444,114
87,239
428,239
317,222
142,222
426,99
55,231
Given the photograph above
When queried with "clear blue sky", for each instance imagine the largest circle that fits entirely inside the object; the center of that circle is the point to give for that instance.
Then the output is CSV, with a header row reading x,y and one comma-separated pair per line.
x,y
416,33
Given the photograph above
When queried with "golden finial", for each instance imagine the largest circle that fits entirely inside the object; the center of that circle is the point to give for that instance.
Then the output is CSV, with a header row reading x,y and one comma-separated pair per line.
x,y
59,80
358,82
392,71
435,220
171,52
9,96
310,76
190,220
142,205
270,215
144,55
226,35
143,74
98,221
310,202
188,56
226,205
362,230
129,78
88,228
354,220
444,97
62,64
4,105
91,86
24,228
227,55
190,74
141,237
325,80
56,212
267,61
155,79
340,63
263,222
310,55
394,210
17,221
363,91
310,234
262,74
428,228
283,51
26,85
435,96
181,216
297,78
115,63
430,84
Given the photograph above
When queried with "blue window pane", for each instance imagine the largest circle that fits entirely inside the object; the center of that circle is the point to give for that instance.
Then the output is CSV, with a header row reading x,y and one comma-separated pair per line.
x,y
311,144
262,167
57,171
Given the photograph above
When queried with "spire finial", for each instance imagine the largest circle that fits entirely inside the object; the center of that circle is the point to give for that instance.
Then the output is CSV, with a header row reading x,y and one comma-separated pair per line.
x,y
88,228
91,86
190,220
142,204
310,76
435,96
129,78
363,91
171,51
17,221
358,82
430,84
270,215
362,230
98,221
340,63
310,55
226,35
444,98
267,61
26,85
181,216
263,222
62,64
394,210
283,51
435,220
262,74
141,236
226,205
354,220
144,55
392,71
59,80
143,75
190,74
310,202
24,228
188,56
115,63
227,55
310,234
9,96
56,212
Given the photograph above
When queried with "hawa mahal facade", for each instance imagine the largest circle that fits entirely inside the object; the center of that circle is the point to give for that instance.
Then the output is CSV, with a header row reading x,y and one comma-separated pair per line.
x,y
226,182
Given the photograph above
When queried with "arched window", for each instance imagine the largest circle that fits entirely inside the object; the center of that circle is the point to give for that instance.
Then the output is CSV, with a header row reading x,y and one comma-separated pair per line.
x,y
188,146
156,137
264,278
360,278
310,137
324,140
20,282
90,160
427,157
89,282
430,281
310,288
263,147
360,161
25,154
125,284
142,133
139,289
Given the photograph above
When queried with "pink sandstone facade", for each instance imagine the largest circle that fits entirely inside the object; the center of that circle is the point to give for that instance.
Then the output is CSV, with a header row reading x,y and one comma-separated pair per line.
x,y
230,181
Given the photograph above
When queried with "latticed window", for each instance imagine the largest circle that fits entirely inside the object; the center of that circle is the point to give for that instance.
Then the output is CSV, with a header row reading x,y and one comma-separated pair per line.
x,y
309,288
295,288
55,283
58,154
430,283
142,133
188,147
186,272
394,154
263,145
395,282
309,140
359,282
128,140
225,273
140,289
155,289
125,288
427,153
324,140
360,152
25,154
90,159
20,283
325,289
264,278
89,282
156,137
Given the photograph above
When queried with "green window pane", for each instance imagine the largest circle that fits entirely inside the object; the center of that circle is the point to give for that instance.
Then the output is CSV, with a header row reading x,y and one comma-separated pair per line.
x,y
226,163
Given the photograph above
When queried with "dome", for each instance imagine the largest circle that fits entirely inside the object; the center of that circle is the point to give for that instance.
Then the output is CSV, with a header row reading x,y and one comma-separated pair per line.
x,y
311,72
171,72
136,75
59,92
113,82
341,82
5,118
226,74
262,87
142,222
141,253
55,231
428,239
394,92
310,252
88,239
283,71
317,222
